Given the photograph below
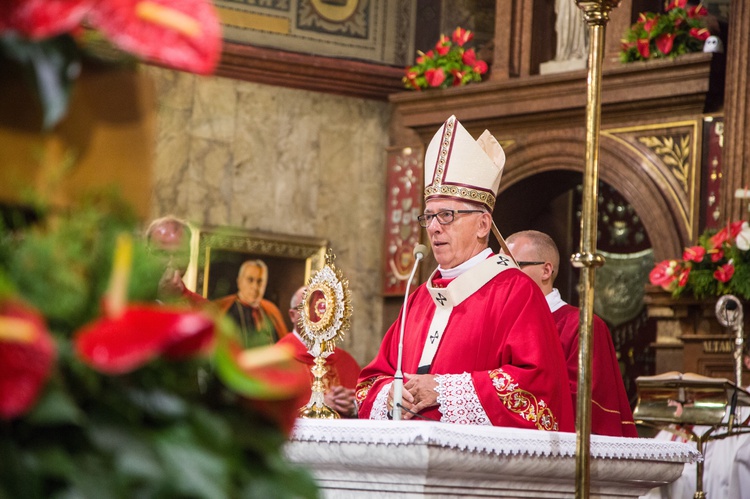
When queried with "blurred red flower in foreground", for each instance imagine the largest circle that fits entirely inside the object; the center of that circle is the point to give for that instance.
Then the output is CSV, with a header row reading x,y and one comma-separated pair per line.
x,y
118,345
182,34
27,354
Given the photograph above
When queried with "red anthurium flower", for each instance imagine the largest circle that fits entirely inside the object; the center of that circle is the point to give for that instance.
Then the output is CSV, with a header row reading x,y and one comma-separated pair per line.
x,y
443,45
183,34
435,77
676,4
665,42
411,78
143,332
643,47
457,77
725,272
694,253
726,233
469,57
424,56
697,11
650,23
701,34
462,36
480,67
664,274
38,19
716,254
683,278
27,354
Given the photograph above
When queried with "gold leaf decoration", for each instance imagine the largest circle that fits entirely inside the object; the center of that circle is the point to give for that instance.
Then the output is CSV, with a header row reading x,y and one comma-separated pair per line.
x,y
673,153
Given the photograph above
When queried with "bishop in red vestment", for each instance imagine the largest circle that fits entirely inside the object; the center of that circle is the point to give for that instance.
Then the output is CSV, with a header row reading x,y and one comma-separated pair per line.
x,y
537,255
480,346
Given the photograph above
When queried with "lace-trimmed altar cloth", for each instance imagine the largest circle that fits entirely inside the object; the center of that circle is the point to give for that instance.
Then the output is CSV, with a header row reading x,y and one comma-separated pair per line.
x,y
489,440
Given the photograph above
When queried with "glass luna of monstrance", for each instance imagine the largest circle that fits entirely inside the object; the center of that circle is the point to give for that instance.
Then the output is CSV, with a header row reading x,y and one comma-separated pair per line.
x,y
324,318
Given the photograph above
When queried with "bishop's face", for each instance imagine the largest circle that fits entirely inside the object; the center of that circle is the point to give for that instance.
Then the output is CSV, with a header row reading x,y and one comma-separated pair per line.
x,y
456,242
251,285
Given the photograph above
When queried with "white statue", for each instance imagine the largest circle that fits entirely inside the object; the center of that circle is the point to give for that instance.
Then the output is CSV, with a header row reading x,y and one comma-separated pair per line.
x,y
571,31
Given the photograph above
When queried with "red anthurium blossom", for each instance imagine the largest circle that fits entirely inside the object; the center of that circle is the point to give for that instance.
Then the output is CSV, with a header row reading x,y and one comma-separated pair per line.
x,y
643,47
37,19
424,56
184,34
469,57
443,45
462,36
676,4
716,254
664,274
725,234
435,77
650,23
694,254
411,78
701,34
697,11
480,67
683,278
665,42
457,77
27,354
143,332
725,272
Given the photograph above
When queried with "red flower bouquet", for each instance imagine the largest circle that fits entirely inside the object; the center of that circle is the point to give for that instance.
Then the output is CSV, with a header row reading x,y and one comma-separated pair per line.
x,y
679,30
448,64
717,265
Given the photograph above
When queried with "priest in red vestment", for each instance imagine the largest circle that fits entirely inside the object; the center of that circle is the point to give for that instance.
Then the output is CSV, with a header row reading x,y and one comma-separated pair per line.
x,y
340,379
259,320
480,345
537,255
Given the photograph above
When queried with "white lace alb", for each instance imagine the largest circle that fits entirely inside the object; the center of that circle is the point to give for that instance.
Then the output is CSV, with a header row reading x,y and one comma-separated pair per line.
x,y
458,401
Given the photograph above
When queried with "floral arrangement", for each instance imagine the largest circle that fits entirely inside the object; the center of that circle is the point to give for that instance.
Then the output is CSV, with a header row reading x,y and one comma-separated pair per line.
x,y
448,64
48,37
679,30
719,264
106,393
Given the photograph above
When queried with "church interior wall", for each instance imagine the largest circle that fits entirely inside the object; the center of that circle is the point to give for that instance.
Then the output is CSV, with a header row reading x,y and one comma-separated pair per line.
x,y
279,160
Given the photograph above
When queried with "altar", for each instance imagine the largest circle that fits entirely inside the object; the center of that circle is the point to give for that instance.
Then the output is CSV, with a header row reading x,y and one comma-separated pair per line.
x,y
415,459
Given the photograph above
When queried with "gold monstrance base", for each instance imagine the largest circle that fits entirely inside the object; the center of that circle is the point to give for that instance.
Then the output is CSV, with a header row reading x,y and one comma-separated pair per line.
x,y
317,408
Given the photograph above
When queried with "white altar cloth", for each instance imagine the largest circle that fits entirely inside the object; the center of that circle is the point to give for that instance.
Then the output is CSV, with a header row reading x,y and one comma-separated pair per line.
x,y
414,459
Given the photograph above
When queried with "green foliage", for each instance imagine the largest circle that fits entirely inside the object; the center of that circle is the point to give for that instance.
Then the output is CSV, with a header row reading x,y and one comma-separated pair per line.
x,y
166,430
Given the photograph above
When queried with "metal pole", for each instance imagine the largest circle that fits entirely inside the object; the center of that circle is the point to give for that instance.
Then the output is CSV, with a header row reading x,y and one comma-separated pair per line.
x,y
596,14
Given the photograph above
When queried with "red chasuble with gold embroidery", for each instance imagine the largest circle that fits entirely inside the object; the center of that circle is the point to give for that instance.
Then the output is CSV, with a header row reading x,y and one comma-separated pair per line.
x,y
610,409
499,361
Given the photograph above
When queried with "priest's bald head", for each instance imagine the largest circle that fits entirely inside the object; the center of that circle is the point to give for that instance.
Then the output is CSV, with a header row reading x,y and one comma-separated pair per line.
x,y
462,176
537,256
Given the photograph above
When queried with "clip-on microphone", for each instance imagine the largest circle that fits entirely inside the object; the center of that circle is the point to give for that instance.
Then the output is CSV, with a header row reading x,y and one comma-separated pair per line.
x,y
420,250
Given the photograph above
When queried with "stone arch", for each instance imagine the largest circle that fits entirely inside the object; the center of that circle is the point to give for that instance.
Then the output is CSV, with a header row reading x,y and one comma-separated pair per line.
x,y
619,166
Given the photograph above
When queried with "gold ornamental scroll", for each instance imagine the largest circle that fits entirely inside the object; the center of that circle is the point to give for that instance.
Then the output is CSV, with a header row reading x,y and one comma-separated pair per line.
x,y
596,14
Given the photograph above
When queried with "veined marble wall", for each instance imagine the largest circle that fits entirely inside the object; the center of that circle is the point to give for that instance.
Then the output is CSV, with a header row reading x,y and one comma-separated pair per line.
x,y
280,160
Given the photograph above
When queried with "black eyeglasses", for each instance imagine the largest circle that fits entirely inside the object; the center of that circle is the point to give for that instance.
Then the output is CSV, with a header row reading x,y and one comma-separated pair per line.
x,y
443,217
526,264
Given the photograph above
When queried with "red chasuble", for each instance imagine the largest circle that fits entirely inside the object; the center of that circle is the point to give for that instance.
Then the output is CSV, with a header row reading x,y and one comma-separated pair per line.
x,y
499,361
610,409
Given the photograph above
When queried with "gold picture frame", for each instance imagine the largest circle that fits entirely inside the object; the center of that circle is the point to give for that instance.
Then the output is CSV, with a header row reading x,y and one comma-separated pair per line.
x,y
218,251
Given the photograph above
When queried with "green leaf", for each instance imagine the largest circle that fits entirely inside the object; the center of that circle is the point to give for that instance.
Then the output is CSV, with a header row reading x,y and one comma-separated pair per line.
x,y
55,407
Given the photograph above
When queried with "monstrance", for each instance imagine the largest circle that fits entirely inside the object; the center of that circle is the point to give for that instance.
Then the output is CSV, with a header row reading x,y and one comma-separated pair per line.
x,y
324,318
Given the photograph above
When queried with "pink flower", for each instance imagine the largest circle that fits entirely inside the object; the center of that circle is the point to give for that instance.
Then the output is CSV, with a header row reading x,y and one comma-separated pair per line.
x,y
694,254
683,279
665,42
725,272
435,77
469,57
701,34
726,233
461,36
424,57
716,254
